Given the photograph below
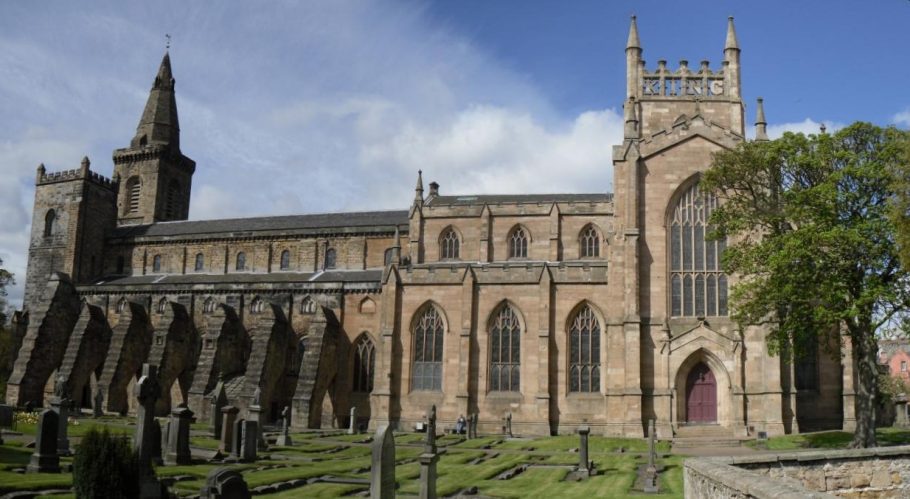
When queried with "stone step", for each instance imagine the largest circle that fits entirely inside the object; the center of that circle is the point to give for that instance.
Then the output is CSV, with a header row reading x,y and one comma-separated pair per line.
x,y
704,431
689,443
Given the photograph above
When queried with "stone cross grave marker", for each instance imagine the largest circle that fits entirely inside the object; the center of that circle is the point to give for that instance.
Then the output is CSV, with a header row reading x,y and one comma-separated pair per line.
x,y
60,404
352,429
45,458
285,438
227,432
650,480
382,469
178,438
147,391
508,427
429,459
584,464
255,414
98,403
224,483
219,400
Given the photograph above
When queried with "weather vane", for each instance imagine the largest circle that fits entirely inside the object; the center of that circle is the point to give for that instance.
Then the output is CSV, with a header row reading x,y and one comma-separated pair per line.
x,y
167,45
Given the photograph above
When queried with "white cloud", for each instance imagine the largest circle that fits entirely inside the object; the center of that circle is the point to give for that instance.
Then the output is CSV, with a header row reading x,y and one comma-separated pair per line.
x,y
807,126
902,118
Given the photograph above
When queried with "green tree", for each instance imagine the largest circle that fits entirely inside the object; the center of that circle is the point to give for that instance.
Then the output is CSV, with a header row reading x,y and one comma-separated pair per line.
x,y
812,240
6,336
105,466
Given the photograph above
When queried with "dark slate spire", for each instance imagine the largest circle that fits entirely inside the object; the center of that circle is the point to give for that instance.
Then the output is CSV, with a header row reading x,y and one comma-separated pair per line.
x,y
159,124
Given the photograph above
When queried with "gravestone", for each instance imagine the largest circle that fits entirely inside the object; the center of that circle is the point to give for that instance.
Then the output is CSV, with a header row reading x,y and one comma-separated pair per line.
x,y
61,404
508,426
255,414
156,437
428,459
224,483
249,444
147,391
352,425
98,403
229,414
237,443
45,458
650,478
285,438
178,437
900,411
382,468
219,400
6,415
584,464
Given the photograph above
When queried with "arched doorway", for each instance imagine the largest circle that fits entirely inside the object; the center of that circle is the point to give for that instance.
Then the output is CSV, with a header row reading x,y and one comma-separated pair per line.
x,y
701,395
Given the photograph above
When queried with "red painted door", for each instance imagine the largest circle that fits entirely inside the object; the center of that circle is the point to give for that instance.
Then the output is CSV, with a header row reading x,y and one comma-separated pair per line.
x,y
701,395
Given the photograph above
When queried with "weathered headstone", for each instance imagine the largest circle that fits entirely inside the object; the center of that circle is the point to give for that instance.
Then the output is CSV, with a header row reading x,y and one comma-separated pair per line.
x,y
61,404
249,445
285,438
255,414
224,483
382,469
583,461
352,425
147,391
178,437
98,403
237,443
650,478
45,458
429,459
900,411
7,413
219,400
229,415
508,427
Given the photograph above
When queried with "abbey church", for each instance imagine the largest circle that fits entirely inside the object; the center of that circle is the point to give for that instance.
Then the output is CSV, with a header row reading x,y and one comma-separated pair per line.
x,y
557,310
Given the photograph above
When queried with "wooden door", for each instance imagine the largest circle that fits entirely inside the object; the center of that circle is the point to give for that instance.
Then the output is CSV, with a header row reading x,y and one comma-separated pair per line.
x,y
701,395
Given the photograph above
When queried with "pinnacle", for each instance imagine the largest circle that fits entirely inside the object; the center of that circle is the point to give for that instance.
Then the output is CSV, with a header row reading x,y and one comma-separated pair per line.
x,y
732,42
633,35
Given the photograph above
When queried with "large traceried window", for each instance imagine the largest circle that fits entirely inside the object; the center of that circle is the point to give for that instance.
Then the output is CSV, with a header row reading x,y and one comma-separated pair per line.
x,y
698,287
449,245
364,364
589,240
428,334
518,243
584,351
505,351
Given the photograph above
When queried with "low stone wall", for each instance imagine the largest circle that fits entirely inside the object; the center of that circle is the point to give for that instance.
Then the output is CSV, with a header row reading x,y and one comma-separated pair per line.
x,y
882,472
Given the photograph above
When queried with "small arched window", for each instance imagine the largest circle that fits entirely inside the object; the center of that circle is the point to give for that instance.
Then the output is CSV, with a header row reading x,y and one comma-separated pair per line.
x,y
156,263
589,240
200,262
364,364
49,220
505,350
172,201
308,306
209,305
121,306
584,352
257,305
518,243
330,258
387,257
120,264
162,305
241,261
285,260
449,245
428,335
133,190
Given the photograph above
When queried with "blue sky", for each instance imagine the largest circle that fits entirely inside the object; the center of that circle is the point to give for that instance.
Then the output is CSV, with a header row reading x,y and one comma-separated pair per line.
x,y
293,107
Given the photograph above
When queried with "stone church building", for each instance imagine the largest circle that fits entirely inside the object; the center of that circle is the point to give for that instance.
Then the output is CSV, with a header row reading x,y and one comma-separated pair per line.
x,y
603,309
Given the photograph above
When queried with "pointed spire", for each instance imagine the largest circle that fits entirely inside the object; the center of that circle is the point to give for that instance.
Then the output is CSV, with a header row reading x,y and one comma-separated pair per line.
x,y
633,42
159,124
761,125
732,43
418,194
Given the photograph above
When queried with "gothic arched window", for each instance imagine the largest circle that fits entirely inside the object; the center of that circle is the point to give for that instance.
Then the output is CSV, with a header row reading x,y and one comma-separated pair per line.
x,y
209,305
308,306
199,263
428,334
584,351
257,305
589,240
285,260
449,245
364,364
505,350
156,263
518,243
330,258
241,261
133,189
162,305
49,223
698,287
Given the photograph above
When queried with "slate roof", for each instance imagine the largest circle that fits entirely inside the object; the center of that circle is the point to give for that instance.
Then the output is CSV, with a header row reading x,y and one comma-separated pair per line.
x,y
519,198
379,219
244,278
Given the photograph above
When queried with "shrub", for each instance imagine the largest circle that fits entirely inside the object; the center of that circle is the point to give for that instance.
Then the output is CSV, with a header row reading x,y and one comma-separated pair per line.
x,y
105,466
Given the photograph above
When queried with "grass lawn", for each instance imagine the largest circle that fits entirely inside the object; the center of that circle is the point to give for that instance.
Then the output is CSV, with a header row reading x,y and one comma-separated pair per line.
x,y
831,440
